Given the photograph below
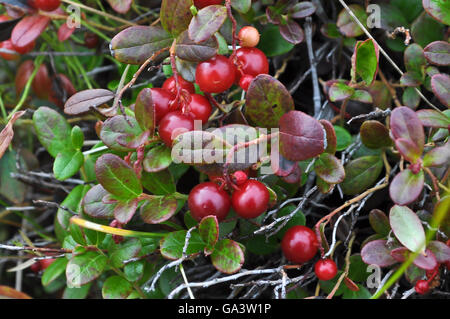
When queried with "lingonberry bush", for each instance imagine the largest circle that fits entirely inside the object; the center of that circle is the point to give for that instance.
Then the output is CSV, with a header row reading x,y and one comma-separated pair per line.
x,y
225,149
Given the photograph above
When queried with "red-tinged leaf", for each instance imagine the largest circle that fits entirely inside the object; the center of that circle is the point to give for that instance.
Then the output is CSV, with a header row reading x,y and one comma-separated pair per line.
x,y
7,134
292,32
347,26
340,91
158,209
400,254
243,6
135,45
157,159
375,135
438,53
440,250
267,101
209,232
411,98
406,187
415,59
120,6
411,79
440,84
301,136
438,9
438,156
281,166
408,150
329,168
94,206
207,22
117,177
433,118
381,96
85,267
414,273
29,29
189,50
10,293
376,253
406,124
64,32
302,10
228,256
144,110
361,173
379,222
331,136
294,177
408,228
81,102
365,61
124,211
116,287
362,96
427,262
176,15
123,134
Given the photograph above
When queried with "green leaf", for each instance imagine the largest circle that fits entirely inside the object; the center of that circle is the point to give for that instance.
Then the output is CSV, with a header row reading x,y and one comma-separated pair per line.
x,y
52,130
259,245
272,44
85,268
117,177
209,232
77,137
365,61
438,9
11,188
438,156
56,268
176,15
159,183
134,270
411,98
433,118
329,168
267,101
67,164
406,187
347,25
362,293
125,250
158,209
125,210
340,91
122,134
343,138
207,22
76,293
243,6
408,228
172,245
379,222
361,173
358,269
116,287
425,30
375,135
298,219
157,159
228,256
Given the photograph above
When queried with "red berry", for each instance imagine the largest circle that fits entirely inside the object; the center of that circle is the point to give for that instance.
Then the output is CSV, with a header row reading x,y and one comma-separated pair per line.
x,y
240,177
200,108
215,75
170,85
4,18
48,5
91,40
422,287
204,3
252,61
172,125
36,267
248,37
25,49
245,81
299,244
325,269
208,199
251,199
8,46
45,263
161,99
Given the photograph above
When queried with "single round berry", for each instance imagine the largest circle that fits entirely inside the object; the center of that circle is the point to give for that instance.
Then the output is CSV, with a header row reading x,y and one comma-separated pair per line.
x,y
252,61
204,3
24,49
46,262
8,46
248,37
170,85
240,177
48,5
299,244
200,108
174,124
325,269
208,199
422,287
215,75
245,81
251,199
161,99
91,40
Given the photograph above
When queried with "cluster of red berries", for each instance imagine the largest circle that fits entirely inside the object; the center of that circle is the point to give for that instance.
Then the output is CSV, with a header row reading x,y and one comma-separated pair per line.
x,y
249,199
41,265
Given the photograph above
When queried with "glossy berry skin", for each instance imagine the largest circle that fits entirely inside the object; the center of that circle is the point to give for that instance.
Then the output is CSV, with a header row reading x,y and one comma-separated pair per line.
x,y
208,199
251,199
36,267
422,287
48,5
9,46
200,108
161,99
200,4
172,125
299,244
248,37
170,85
253,62
215,75
245,81
325,269
240,177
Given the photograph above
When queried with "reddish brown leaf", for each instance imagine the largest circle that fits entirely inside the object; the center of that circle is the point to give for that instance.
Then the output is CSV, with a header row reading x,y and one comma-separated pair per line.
x,y
7,134
29,29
